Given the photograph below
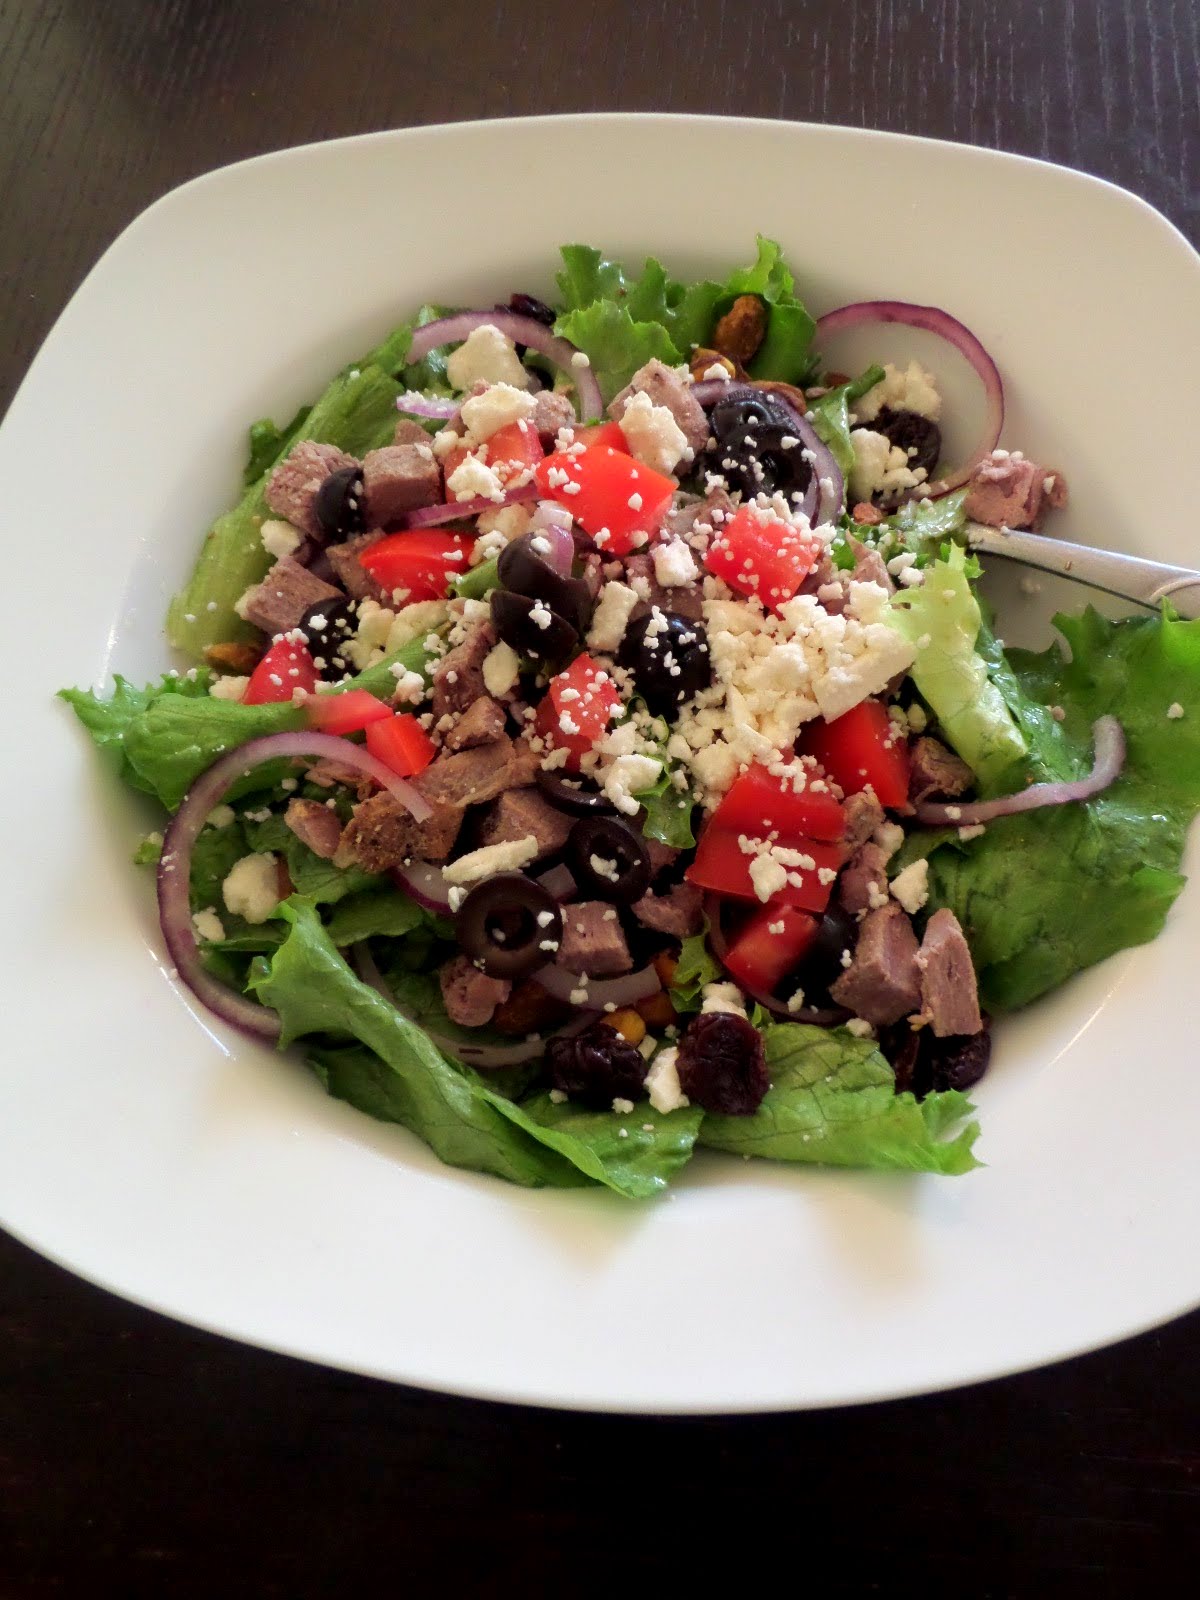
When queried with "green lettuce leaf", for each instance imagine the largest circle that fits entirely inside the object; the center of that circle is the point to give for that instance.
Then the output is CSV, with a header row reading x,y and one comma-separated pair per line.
x,y
942,619
380,911
832,1101
668,811
1044,894
696,967
830,415
614,343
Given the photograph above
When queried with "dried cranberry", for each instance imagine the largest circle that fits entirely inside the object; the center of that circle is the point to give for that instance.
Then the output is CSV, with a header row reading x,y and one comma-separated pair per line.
x,y
961,1059
596,1067
528,305
918,436
721,1064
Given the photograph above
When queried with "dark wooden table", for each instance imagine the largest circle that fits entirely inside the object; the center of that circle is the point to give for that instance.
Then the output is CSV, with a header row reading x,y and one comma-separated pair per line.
x,y
139,1457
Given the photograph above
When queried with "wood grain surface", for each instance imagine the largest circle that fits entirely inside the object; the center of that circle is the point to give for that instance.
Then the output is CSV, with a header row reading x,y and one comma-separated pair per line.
x,y
140,1457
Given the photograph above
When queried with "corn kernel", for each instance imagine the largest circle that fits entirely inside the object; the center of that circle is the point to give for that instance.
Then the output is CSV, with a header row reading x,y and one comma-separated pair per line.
x,y
628,1024
665,964
657,1010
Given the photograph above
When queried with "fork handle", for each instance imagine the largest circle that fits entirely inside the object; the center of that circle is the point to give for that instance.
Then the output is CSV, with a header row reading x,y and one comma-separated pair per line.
x,y
1146,583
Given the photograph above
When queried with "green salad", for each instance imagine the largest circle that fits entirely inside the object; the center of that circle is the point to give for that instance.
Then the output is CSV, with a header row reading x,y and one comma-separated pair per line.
x,y
593,744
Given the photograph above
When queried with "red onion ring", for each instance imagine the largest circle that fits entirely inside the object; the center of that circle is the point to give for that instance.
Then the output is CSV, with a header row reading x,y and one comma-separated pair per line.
x,y
553,524
476,1055
414,404
826,490
817,1016
626,990
931,319
174,867
423,882
453,511
1108,760
521,330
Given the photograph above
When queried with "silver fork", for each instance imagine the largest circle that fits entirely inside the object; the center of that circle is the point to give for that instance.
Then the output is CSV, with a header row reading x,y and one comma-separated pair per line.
x,y
1146,583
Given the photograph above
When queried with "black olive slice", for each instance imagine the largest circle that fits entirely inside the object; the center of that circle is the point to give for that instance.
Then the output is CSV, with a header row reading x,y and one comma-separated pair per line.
x,y
566,794
608,860
508,925
522,570
329,627
531,627
668,656
338,506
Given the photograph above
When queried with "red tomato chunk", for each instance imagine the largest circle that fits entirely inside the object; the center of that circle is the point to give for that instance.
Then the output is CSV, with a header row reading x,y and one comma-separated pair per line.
x,y
722,865
349,712
584,698
769,945
401,743
421,563
862,749
286,667
761,555
611,496
759,803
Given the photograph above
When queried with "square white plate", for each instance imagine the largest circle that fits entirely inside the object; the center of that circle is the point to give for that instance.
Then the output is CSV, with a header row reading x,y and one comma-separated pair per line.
x,y
147,1149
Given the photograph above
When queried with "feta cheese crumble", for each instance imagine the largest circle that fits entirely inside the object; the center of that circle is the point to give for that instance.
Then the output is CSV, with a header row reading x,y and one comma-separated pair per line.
x,y
252,888
486,356
652,434
485,862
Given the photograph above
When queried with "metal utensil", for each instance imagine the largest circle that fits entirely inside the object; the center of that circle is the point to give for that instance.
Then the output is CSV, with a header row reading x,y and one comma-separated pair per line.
x,y
1146,583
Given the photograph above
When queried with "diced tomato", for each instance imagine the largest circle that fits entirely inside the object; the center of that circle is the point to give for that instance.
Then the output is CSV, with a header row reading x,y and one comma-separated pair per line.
x,y
421,562
758,553
759,803
610,495
586,697
769,945
510,451
401,743
348,712
286,667
602,435
722,865
862,749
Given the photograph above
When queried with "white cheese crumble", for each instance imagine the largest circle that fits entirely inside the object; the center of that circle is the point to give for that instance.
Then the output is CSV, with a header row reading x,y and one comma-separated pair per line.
x,y
911,887
501,669
486,356
511,521
880,467
914,389
252,888
628,776
652,434
860,1029
662,1082
220,817
473,479
230,687
611,617
490,859
1174,711
497,407
722,997
674,564
208,924
621,1106
280,538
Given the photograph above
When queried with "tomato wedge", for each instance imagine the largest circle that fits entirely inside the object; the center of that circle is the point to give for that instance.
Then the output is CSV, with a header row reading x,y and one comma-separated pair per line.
x,y
286,667
602,435
722,865
769,945
862,749
348,712
760,554
401,743
583,697
420,563
610,495
759,803
510,451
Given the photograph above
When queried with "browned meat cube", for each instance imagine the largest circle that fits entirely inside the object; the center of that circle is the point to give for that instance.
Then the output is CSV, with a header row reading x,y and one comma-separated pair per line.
x,y
285,594
949,994
666,388
863,880
1007,491
315,825
520,813
551,412
936,770
677,913
382,834
593,940
481,723
399,478
292,487
458,676
862,814
470,996
882,983
349,570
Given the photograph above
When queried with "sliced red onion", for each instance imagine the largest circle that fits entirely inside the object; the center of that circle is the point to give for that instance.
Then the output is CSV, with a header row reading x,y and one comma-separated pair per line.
x,y
423,882
817,1016
559,883
1109,759
626,990
453,511
521,330
553,524
826,491
476,1055
931,319
415,404
175,863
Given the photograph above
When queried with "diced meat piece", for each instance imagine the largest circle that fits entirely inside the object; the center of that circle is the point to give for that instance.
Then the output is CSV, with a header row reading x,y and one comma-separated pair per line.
x,y
292,487
666,388
314,825
882,983
470,777
863,881
697,515
949,995
661,855
399,478
382,834
409,431
344,560
1008,491
687,599
525,813
470,996
677,913
550,413
593,573
936,770
869,566
826,582
481,723
862,814
277,603
593,940
327,773
458,676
